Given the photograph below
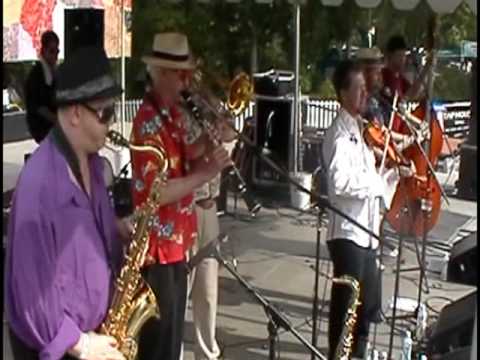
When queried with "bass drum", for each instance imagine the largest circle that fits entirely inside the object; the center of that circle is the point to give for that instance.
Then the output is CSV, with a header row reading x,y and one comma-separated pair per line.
x,y
319,184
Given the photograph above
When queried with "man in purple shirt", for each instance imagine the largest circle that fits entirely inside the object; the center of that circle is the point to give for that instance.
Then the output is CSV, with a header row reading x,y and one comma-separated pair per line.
x,y
63,248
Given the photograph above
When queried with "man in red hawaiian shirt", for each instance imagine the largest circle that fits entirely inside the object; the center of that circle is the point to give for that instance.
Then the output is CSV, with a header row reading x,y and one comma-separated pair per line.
x,y
160,123
394,79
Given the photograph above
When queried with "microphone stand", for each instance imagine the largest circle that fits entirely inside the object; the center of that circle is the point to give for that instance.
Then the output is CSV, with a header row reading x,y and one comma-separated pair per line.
x,y
321,199
320,213
323,203
276,319
404,211
397,281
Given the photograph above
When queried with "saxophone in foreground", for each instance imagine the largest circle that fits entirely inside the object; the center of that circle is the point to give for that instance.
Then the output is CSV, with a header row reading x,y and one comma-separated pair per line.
x,y
344,347
133,301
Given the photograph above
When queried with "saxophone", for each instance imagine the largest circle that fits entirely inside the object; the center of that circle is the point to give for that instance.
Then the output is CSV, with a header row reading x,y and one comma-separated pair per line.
x,y
344,347
133,300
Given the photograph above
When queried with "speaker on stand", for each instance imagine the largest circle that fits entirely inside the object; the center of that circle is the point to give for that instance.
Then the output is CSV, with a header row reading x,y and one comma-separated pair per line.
x,y
83,27
467,181
273,118
462,265
452,334
273,121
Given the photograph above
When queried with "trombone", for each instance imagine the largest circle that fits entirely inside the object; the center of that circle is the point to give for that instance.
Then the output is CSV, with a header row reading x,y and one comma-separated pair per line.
x,y
207,109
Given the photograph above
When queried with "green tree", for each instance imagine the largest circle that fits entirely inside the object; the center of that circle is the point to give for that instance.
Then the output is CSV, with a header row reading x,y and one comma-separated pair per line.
x,y
252,36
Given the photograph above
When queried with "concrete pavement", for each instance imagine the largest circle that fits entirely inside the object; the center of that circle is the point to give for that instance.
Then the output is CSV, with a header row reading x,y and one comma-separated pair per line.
x,y
275,254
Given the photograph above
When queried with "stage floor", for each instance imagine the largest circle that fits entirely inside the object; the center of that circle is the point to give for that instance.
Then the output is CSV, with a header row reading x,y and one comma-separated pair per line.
x,y
276,255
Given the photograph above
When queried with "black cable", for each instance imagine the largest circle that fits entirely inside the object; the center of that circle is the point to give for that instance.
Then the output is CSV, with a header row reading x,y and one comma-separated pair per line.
x,y
448,300
278,345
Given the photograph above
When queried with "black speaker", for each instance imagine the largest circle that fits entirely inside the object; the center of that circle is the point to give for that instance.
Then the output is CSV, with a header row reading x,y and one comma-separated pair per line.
x,y
83,27
462,266
456,354
454,327
274,83
121,193
467,180
273,121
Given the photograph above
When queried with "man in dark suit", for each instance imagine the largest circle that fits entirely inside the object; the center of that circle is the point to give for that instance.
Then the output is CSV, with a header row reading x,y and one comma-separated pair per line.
x,y
40,89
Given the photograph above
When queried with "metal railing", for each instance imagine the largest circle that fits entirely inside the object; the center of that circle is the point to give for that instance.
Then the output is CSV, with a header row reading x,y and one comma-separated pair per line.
x,y
132,106
316,113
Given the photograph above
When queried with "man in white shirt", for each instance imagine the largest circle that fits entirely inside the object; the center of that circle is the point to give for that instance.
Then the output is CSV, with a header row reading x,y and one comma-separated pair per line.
x,y
357,189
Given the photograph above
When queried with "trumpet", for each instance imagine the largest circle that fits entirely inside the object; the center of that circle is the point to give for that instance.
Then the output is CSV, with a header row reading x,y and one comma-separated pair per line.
x,y
207,110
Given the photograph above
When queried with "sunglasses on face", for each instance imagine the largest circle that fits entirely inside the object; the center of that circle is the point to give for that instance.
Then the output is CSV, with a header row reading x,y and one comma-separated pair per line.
x,y
183,75
104,115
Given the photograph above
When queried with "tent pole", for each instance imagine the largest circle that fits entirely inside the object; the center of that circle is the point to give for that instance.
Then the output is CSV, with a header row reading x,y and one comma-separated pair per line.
x,y
122,57
296,99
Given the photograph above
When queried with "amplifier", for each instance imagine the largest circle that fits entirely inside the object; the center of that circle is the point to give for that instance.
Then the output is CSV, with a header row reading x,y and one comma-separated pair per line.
x,y
454,327
462,266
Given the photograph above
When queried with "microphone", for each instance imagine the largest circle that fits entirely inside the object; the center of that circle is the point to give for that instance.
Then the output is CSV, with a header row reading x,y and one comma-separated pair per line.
x,y
269,128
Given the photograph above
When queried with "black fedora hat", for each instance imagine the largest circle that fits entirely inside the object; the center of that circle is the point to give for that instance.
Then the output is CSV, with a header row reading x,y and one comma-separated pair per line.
x,y
85,76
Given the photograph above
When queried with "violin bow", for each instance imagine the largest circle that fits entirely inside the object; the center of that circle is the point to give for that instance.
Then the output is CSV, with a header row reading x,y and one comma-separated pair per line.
x,y
390,125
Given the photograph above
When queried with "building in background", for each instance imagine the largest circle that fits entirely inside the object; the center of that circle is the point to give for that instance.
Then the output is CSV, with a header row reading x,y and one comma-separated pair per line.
x,y
25,20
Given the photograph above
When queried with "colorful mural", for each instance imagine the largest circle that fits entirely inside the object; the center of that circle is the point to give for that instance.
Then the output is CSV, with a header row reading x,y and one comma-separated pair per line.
x,y
24,21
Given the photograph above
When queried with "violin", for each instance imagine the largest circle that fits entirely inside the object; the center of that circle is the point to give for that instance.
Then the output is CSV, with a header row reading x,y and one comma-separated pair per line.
x,y
376,137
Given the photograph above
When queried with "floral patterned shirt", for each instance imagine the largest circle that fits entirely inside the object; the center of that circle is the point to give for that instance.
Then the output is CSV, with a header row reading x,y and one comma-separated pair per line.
x,y
211,189
173,228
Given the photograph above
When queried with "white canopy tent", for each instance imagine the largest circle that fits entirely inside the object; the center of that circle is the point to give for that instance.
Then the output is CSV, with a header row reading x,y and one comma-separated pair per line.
x,y
439,6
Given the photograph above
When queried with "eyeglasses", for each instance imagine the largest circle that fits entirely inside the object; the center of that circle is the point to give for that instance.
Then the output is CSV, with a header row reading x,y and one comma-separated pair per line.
x,y
103,115
184,75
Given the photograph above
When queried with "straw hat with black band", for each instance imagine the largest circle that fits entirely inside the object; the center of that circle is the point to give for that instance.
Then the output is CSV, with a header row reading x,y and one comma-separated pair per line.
x,y
171,51
369,56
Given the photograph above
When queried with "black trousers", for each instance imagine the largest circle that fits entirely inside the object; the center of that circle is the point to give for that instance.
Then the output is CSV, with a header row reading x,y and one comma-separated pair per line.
x,y
20,351
162,340
360,263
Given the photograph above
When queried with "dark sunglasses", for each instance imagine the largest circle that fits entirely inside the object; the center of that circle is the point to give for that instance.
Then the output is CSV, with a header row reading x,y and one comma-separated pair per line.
x,y
184,74
104,115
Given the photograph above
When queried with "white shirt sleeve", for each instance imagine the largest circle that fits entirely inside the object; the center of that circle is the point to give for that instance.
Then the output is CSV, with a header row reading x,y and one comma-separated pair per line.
x,y
390,178
347,174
